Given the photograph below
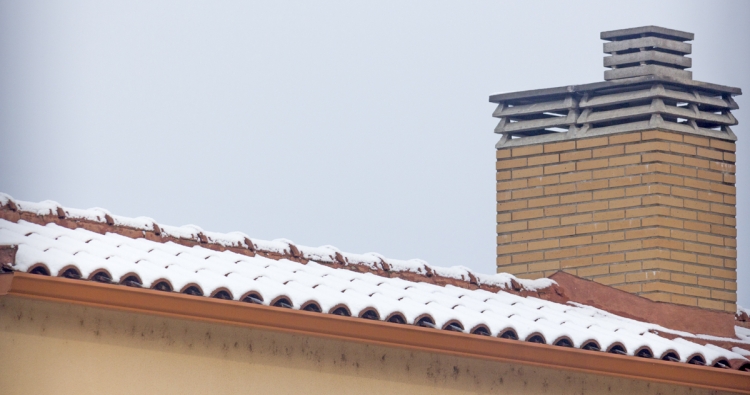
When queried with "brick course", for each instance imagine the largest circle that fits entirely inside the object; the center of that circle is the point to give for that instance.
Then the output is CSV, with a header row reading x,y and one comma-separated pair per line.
x,y
652,213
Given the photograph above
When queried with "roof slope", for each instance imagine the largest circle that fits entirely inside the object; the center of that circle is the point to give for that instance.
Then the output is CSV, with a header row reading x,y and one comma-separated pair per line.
x,y
278,273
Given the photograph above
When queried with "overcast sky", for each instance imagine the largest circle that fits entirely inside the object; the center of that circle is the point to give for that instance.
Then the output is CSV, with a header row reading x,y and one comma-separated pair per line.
x,y
364,125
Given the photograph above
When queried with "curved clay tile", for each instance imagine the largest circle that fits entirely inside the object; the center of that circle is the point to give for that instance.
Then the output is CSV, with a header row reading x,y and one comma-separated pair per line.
x,y
162,284
222,293
101,275
131,279
369,313
340,309
536,337
311,305
480,329
396,318
39,268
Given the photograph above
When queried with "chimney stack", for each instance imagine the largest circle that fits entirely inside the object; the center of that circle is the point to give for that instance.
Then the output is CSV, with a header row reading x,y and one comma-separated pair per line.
x,y
628,182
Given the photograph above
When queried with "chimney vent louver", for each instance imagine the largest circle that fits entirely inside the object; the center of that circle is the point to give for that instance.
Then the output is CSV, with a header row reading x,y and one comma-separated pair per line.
x,y
648,50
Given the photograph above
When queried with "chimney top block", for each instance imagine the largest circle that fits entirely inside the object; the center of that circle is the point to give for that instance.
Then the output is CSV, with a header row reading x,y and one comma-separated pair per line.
x,y
647,31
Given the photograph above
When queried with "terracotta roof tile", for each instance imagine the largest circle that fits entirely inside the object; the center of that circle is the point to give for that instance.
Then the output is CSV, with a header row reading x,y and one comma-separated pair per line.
x,y
100,246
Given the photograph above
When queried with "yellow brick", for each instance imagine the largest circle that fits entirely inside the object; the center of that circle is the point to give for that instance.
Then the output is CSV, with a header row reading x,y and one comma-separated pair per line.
x,y
685,300
591,185
530,276
662,264
684,192
722,295
661,157
647,232
575,262
682,148
609,194
557,254
559,210
528,172
511,205
593,206
503,217
662,286
512,248
592,164
559,189
663,221
730,285
511,227
724,273
528,257
543,159
609,258
646,254
544,223
649,275
505,195
730,157
591,228
503,260
654,178
503,153
723,145
624,138
543,245
542,266
724,230
683,171
710,304
608,237
527,150
541,181
710,260
663,243
624,181
646,211
695,162
710,175
626,246
632,288
625,267
557,147
511,163
609,151
701,141
648,190
730,263
575,219
515,269
684,278
561,168
663,200
680,213
608,173
592,250
697,226
725,252
696,204
730,178
588,143
723,209
659,135
648,146
698,184
575,198
709,153
626,202
710,239
575,241
529,235
608,215
683,235
575,177
609,280
648,168
575,155
624,224
545,201
593,271
502,175
625,160
658,296
510,185
559,232
696,291
527,214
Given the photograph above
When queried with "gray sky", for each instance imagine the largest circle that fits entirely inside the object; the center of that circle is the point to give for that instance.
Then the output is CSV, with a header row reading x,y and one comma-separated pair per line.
x,y
362,125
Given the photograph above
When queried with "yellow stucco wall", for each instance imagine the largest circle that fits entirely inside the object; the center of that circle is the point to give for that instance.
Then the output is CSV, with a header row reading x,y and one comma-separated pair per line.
x,y
48,348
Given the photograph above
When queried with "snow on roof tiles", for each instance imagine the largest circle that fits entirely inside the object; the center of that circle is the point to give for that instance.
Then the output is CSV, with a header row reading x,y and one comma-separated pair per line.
x,y
306,278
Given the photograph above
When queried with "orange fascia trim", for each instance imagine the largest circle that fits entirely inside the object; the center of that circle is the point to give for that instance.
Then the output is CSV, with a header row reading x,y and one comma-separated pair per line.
x,y
200,308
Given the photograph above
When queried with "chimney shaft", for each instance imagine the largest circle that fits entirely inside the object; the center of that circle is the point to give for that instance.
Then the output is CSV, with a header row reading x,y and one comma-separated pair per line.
x,y
628,182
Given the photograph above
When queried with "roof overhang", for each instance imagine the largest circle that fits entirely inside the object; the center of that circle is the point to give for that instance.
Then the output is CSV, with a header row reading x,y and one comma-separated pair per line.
x,y
169,304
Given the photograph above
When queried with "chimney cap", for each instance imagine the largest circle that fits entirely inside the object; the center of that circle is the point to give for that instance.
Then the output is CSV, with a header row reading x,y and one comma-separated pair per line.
x,y
647,31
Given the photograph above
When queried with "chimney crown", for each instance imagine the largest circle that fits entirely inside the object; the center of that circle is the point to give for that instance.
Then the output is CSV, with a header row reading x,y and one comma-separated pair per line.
x,y
647,50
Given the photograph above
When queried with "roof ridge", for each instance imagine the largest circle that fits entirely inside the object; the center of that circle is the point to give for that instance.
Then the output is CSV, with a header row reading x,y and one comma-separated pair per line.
x,y
101,221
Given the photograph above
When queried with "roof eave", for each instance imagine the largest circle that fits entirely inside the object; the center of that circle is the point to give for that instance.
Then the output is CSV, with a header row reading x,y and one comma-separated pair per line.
x,y
204,309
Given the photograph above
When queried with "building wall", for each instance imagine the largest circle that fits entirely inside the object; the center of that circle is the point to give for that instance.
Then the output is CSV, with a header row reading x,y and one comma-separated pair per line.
x,y
652,213
56,348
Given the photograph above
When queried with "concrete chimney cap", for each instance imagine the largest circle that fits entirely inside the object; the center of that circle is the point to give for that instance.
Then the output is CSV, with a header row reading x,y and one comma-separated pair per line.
x,y
646,31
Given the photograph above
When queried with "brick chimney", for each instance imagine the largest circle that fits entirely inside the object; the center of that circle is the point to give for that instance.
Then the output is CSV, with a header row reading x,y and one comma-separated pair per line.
x,y
629,182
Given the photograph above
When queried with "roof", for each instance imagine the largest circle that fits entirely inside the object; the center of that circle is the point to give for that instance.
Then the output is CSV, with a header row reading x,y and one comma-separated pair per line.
x,y
96,245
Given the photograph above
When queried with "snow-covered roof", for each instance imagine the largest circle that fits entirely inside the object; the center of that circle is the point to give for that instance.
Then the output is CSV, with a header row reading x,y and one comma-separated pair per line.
x,y
317,279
